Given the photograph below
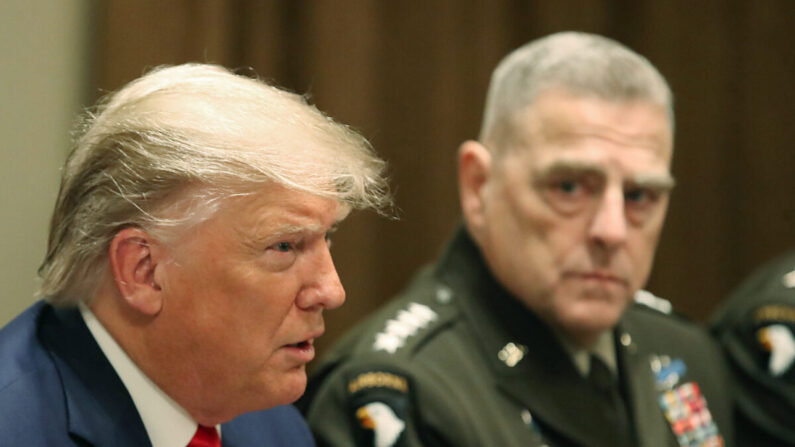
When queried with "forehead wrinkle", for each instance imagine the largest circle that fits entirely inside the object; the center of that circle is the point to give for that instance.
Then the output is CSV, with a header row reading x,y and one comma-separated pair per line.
x,y
655,143
578,119
300,224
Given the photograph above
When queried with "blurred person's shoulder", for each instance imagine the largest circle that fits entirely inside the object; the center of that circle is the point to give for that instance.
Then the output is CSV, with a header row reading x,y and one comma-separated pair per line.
x,y
756,329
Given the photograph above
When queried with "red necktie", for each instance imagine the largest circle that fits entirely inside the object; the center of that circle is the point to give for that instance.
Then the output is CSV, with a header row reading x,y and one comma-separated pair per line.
x,y
205,437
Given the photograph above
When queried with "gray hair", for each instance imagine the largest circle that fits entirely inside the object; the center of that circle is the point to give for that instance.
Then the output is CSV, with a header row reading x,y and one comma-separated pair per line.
x,y
579,63
178,142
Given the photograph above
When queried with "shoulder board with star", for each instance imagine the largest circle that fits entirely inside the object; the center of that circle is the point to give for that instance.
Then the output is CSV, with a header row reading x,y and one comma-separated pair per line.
x,y
654,302
417,316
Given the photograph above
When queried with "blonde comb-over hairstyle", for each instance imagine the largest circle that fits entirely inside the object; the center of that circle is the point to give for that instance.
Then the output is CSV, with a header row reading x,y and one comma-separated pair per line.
x,y
166,150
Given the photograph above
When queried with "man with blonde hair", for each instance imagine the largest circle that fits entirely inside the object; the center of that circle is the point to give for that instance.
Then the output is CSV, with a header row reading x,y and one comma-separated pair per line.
x,y
525,332
188,268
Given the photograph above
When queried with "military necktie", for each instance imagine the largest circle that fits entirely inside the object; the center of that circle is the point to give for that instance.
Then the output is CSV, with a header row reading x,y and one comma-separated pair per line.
x,y
606,384
205,437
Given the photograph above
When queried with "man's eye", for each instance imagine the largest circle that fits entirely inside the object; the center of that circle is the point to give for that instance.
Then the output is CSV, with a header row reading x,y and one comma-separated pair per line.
x,y
638,196
569,195
283,246
568,186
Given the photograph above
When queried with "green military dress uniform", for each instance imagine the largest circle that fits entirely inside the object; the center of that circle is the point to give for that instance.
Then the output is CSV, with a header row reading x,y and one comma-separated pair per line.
x,y
456,361
756,327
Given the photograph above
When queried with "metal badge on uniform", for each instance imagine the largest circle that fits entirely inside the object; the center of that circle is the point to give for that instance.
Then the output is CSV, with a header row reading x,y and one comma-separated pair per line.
x,y
378,404
531,423
512,353
667,371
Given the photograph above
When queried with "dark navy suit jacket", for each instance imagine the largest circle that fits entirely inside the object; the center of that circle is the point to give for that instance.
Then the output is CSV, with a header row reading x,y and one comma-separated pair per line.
x,y
58,389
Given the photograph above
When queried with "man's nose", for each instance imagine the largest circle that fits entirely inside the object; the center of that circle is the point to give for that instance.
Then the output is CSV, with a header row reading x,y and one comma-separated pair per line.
x,y
608,226
324,288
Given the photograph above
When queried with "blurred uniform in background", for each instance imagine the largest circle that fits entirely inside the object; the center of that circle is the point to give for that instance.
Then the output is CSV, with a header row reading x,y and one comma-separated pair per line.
x,y
756,327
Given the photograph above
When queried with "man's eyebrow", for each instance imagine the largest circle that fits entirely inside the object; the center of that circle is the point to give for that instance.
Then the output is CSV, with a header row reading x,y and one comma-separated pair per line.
x,y
660,182
574,168
292,229
564,168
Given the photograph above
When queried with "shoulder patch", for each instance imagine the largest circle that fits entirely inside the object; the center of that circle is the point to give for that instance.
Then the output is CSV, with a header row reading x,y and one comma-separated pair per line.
x,y
403,325
651,301
378,402
378,379
778,342
774,313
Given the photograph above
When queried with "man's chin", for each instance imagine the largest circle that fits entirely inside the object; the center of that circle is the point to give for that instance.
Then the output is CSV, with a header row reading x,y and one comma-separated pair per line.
x,y
294,386
588,323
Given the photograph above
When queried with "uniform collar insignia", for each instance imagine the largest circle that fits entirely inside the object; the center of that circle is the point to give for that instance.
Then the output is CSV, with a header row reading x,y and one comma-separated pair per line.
x,y
512,353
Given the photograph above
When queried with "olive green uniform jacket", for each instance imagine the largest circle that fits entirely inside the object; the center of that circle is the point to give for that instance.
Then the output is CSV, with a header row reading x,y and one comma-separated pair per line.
x,y
756,327
456,361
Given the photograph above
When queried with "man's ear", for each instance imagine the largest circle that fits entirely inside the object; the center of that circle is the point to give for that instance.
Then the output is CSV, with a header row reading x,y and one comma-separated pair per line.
x,y
474,168
134,257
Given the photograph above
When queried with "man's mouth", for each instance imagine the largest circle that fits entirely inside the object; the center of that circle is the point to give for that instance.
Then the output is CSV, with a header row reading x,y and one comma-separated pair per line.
x,y
306,344
598,276
302,351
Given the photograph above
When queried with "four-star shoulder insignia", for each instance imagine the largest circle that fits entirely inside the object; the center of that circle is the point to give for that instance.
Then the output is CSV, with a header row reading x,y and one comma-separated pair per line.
x,y
405,324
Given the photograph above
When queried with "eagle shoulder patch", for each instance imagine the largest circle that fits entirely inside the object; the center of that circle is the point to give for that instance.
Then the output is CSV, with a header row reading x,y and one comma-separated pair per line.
x,y
774,326
378,404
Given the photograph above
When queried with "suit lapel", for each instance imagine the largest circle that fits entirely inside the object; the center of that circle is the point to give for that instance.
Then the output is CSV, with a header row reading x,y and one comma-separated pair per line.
x,y
99,408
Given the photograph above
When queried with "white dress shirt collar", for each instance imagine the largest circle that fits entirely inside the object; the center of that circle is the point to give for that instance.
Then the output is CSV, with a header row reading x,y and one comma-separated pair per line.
x,y
166,422
604,348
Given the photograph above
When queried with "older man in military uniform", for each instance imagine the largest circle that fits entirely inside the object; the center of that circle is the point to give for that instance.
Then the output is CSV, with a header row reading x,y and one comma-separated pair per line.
x,y
525,333
756,328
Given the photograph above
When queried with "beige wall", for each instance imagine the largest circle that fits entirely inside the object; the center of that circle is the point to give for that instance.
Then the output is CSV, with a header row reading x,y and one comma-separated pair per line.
x,y
43,79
